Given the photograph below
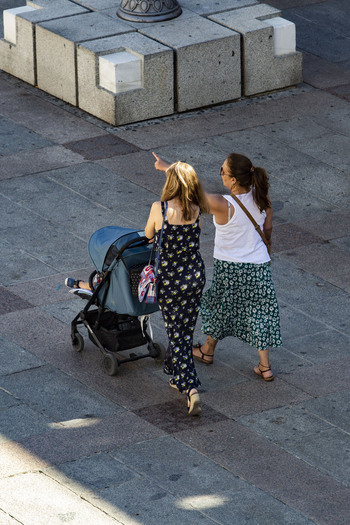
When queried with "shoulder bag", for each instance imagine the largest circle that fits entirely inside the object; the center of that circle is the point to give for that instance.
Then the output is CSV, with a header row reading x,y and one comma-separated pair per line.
x,y
147,289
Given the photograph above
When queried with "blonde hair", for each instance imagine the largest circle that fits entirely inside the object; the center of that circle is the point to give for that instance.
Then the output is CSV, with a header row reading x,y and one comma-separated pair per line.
x,y
183,184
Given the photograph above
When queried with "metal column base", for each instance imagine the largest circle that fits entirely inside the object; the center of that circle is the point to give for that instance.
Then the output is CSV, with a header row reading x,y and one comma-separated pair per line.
x,y
148,10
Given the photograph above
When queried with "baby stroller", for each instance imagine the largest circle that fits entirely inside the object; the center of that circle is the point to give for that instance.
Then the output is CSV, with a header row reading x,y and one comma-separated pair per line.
x,y
114,317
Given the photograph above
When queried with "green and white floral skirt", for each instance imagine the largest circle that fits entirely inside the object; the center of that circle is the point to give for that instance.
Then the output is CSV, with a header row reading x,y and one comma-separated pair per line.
x,y
241,302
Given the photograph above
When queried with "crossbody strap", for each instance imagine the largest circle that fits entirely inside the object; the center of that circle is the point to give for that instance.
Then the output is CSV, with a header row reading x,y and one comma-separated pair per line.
x,y
160,238
256,225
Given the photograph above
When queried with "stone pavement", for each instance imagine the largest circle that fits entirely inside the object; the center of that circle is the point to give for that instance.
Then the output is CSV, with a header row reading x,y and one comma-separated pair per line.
x,y
78,446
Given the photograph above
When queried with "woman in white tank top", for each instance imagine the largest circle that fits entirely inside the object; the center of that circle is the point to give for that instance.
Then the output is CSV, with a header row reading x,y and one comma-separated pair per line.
x,y
241,301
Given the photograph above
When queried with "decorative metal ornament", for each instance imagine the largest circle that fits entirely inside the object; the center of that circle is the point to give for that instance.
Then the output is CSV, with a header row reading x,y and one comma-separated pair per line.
x,y
148,10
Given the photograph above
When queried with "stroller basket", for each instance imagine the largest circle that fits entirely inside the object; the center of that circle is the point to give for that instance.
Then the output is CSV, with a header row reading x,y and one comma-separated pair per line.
x,y
116,332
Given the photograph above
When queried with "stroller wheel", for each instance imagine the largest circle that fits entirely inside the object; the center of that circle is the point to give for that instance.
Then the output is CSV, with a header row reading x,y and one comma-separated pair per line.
x,y
78,342
157,351
110,364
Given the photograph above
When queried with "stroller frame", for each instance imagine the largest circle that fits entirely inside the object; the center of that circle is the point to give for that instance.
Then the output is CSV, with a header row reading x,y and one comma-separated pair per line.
x,y
93,320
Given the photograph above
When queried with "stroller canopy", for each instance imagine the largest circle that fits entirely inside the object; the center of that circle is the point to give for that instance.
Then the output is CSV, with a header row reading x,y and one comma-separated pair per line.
x,y
102,240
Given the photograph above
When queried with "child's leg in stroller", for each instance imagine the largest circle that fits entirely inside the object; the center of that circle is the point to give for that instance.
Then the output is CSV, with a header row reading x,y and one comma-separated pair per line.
x,y
72,283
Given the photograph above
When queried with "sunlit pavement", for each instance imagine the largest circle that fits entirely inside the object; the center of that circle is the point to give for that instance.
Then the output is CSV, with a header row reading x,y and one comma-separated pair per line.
x,y
79,446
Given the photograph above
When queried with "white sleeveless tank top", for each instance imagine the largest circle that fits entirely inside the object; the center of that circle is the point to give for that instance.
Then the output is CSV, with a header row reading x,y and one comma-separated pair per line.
x,y
238,241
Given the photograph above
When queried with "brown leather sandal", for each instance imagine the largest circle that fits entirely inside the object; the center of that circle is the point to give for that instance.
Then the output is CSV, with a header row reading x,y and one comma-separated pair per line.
x,y
261,373
202,358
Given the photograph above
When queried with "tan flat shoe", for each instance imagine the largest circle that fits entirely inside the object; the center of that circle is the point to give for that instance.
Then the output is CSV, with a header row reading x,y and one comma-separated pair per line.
x,y
194,409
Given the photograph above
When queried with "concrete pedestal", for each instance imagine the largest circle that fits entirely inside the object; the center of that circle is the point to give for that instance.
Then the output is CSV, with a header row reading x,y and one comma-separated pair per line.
x,y
212,53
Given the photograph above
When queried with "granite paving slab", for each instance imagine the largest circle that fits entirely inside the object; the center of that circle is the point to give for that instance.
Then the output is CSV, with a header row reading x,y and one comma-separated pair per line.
x,y
140,501
341,91
287,236
64,311
323,74
113,189
138,168
322,347
36,161
300,170
178,468
7,400
58,204
334,376
331,148
4,517
319,39
15,459
47,243
10,302
298,288
44,116
291,203
48,290
81,438
323,259
14,270
58,395
254,396
92,473
342,281
16,138
101,147
242,358
330,224
18,422
296,322
286,425
335,119
21,496
333,408
342,242
327,450
248,506
246,454
14,358
172,417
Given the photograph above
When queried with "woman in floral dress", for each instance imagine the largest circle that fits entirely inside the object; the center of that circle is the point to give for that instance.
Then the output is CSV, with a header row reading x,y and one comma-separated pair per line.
x,y
181,273
241,301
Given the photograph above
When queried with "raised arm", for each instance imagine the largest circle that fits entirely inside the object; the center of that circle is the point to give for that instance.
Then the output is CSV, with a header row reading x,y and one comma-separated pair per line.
x,y
160,164
217,203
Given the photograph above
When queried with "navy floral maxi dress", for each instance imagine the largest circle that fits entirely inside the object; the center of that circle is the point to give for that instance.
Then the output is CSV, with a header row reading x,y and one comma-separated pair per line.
x,y
181,278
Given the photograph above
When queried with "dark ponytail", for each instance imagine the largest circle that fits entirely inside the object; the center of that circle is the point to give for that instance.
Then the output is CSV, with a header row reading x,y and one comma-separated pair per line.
x,y
260,183
249,176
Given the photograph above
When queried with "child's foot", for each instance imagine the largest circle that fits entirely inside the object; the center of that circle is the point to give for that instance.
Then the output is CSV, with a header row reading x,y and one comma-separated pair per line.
x,y
71,283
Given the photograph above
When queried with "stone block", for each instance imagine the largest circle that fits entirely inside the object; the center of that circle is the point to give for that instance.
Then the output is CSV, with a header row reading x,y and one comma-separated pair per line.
x,y
263,68
207,65
17,48
154,92
120,71
284,37
10,32
56,43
